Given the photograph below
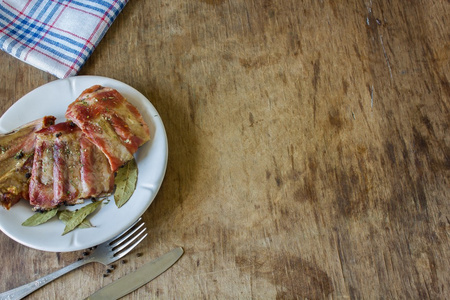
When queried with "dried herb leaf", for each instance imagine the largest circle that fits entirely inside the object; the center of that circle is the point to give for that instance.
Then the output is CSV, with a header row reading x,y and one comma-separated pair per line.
x,y
66,215
40,218
125,181
79,216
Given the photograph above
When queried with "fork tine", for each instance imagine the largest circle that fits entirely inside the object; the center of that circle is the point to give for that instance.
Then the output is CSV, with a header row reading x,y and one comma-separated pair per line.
x,y
126,236
122,246
125,252
113,240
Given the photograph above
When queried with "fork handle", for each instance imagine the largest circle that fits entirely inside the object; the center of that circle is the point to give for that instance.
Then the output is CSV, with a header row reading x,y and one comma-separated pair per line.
x,y
24,290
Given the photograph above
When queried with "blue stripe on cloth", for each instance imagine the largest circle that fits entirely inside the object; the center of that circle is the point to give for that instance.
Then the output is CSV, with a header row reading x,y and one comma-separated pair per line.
x,y
43,10
30,35
18,30
60,49
61,55
26,35
66,39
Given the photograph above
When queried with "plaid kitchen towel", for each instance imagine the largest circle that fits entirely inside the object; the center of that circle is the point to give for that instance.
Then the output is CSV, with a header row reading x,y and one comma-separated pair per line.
x,y
56,36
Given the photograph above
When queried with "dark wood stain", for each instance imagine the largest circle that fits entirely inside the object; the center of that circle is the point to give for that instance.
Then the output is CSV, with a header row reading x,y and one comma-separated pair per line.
x,y
295,277
191,105
228,57
390,152
335,120
426,121
345,85
420,142
260,61
213,2
421,195
278,178
315,82
295,43
307,192
316,75
283,77
251,119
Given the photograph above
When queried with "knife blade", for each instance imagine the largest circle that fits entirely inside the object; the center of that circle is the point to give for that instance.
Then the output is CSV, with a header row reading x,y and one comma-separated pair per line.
x,y
138,278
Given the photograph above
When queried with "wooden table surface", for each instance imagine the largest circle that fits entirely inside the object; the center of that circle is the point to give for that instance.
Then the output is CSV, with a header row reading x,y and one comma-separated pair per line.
x,y
309,149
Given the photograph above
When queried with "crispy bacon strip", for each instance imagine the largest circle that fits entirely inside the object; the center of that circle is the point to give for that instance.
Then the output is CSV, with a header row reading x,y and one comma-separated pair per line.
x,y
67,168
110,122
16,160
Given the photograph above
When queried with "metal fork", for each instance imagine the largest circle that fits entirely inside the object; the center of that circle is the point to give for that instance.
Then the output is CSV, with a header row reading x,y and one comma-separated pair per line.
x,y
105,253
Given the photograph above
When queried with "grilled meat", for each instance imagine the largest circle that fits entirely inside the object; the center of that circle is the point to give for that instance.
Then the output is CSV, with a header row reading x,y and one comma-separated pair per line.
x,y
16,160
110,122
67,168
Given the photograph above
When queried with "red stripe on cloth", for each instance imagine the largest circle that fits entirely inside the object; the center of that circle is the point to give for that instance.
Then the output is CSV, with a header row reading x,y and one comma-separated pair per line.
x,y
55,28
43,53
92,35
17,17
50,26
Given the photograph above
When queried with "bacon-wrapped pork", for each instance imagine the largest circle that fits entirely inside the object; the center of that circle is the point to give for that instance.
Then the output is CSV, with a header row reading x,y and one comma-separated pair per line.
x,y
16,160
67,168
110,122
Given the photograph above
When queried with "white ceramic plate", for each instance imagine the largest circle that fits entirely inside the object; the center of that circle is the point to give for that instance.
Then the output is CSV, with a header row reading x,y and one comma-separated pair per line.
x,y
53,99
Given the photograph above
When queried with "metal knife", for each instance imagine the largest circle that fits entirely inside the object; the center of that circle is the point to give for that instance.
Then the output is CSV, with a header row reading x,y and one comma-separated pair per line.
x,y
140,277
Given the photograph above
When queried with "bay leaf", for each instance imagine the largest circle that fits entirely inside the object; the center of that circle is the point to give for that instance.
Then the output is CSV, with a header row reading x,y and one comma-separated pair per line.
x,y
66,215
40,218
79,216
125,182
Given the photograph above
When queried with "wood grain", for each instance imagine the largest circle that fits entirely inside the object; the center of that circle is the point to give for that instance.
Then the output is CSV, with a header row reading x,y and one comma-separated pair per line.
x,y
309,149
